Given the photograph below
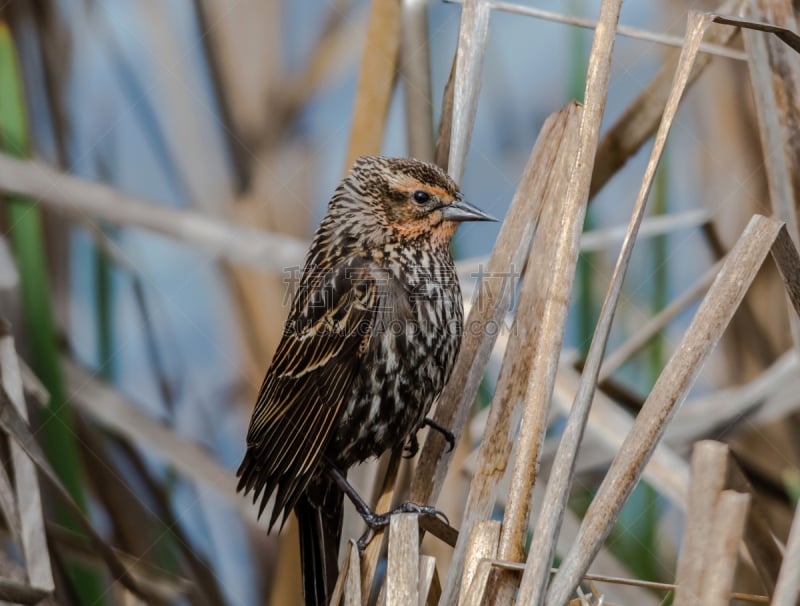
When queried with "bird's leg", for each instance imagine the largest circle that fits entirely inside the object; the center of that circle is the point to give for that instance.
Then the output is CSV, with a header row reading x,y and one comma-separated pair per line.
x,y
375,521
446,433
372,519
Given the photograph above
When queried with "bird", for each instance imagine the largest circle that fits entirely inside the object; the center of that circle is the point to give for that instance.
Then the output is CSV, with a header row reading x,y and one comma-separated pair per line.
x,y
373,332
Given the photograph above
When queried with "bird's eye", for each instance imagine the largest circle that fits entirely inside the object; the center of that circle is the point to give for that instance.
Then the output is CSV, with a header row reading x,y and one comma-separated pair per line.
x,y
421,197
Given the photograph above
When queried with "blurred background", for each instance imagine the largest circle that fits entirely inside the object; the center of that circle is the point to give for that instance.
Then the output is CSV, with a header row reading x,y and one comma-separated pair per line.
x,y
152,346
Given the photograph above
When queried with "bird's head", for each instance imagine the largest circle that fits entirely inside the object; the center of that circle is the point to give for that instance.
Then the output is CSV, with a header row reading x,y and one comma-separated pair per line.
x,y
415,199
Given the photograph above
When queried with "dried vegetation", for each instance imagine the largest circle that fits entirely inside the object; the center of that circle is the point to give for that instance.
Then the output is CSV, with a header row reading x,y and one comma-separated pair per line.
x,y
506,482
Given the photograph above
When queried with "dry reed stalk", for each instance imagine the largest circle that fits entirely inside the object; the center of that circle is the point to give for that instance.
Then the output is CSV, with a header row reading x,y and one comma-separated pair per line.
x,y
8,506
748,326
445,130
214,237
24,512
556,298
728,519
482,544
786,257
353,591
34,389
416,73
402,572
709,468
383,502
376,79
775,80
640,120
788,36
476,592
467,84
761,236
787,589
430,588
338,589
542,183
534,581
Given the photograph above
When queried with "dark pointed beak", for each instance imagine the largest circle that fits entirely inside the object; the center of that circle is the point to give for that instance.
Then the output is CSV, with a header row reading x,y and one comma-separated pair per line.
x,y
464,211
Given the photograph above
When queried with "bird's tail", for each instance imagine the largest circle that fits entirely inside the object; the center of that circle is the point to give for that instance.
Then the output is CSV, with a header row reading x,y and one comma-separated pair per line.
x,y
319,519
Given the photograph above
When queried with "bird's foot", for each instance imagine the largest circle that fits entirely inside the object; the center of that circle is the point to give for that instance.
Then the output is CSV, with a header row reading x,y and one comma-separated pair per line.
x,y
377,522
448,435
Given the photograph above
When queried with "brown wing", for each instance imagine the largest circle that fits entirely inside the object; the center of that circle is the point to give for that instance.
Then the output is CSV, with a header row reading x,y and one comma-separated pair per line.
x,y
309,381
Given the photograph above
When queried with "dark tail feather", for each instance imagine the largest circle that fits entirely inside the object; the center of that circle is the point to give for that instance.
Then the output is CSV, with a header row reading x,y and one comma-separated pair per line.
x,y
319,518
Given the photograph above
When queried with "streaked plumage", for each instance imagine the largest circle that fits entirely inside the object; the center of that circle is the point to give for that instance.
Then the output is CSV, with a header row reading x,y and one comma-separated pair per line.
x,y
370,341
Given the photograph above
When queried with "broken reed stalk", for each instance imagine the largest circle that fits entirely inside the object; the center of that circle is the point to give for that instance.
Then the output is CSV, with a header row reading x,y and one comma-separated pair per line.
x,y
709,468
534,581
482,544
727,527
353,584
430,588
402,572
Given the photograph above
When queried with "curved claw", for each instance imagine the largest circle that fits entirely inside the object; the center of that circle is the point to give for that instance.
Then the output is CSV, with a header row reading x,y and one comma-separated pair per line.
x,y
448,435
375,522
412,448
364,540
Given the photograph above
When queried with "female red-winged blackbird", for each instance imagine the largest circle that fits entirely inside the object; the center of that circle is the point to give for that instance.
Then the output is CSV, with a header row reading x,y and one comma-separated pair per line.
x,y
371,339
